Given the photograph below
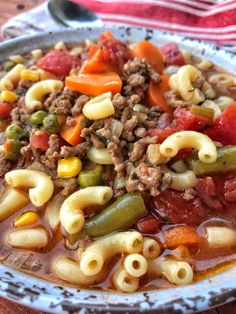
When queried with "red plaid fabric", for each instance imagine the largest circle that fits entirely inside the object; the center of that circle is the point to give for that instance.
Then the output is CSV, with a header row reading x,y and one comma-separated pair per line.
x,y
213,20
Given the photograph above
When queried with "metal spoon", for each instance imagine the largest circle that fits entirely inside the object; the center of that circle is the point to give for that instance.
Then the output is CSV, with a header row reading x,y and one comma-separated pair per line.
x,y
71,14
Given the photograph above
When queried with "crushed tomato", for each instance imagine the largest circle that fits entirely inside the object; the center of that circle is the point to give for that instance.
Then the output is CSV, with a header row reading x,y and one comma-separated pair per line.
x,y
114,53
182,119
58,62
5,109
224,128
172,54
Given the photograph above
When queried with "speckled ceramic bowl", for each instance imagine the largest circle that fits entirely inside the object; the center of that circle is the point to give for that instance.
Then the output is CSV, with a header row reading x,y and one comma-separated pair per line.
x,y
48,297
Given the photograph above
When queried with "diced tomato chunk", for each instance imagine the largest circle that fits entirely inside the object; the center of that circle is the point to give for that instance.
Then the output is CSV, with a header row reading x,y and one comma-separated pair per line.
x,y
173,54
224,128
5,109
171,205
183,119
40,140
206,190
58,62
230,190
162,134
148,225
190,121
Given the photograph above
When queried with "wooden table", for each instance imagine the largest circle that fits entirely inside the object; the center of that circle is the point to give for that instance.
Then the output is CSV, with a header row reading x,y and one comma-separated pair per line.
x,y
9,8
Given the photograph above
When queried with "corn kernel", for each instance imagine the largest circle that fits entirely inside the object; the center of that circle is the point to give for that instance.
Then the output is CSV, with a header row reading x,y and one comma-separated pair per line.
x,y
8,96
69,167
17,59
37,54
29,75
27,218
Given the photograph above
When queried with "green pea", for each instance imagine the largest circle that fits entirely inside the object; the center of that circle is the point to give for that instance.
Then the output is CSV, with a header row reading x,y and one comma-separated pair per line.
x,y
38,117
8,65
90,177
50,123
14,132
13,150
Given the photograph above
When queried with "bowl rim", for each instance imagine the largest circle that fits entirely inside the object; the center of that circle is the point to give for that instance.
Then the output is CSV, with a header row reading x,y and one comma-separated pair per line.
x,y
40,294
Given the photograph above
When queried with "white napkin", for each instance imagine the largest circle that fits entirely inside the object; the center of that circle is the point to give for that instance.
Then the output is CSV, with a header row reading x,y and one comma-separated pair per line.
x,y
30,22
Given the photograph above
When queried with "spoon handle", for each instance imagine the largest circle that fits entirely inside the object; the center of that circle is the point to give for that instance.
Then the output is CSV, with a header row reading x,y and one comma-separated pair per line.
x,y
31,22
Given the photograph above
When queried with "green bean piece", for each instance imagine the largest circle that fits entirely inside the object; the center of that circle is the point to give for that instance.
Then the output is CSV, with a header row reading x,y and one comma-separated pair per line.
x,y
226,161
14,132
90,177
8,65
50,123
13,150
121,214
202,111
38,117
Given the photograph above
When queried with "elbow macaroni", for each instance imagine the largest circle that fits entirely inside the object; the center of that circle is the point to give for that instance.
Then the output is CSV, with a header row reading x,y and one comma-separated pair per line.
x,y
201,142
34,95
95,255
40,184
218,236
223,78
123,281
12,201
71,212
99,107
177,272
12,77
135,265
70,271
151,248
181,181
35,238
182,83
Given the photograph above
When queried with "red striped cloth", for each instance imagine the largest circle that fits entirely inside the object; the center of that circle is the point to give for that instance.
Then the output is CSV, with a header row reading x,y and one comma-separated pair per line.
x,y
213,20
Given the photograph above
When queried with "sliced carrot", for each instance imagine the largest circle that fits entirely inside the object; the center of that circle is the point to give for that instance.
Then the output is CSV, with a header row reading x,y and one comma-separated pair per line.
x,y
7,146
145,50
107,34
71,134
181,235
95,84
156,92
95,64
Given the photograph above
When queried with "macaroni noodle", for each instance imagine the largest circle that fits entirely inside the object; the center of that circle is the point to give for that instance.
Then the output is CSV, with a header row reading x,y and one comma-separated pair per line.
x,y
40,184
35,238
12,77
201,142
35,94
181,181
95,255
135,265
71,213
123,281
182,83
12,201
151,248
218,236
99,107
69,270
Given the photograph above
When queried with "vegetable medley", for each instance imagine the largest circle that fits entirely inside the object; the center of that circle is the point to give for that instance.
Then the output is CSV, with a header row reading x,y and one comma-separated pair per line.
x,y
118,165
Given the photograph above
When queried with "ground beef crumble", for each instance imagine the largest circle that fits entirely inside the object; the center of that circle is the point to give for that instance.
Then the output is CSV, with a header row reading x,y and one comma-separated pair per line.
x,y
125,134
